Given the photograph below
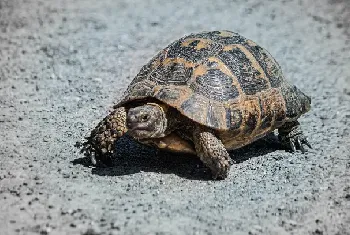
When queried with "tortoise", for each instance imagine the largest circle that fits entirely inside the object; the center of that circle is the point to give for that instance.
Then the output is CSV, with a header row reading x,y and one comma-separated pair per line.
x,y
204,94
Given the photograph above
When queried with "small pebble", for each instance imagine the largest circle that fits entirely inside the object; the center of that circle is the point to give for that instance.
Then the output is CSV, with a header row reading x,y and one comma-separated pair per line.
x,y
73,225
114,225
97,80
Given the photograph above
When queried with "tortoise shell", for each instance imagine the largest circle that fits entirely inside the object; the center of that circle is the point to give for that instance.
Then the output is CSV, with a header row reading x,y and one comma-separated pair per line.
x,y
221,80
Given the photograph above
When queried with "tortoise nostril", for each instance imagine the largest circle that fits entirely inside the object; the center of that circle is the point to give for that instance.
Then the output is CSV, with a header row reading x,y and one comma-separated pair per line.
x,y
132,120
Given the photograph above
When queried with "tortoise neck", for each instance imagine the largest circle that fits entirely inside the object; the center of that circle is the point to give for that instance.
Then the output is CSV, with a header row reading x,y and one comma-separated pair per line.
x,y
171,115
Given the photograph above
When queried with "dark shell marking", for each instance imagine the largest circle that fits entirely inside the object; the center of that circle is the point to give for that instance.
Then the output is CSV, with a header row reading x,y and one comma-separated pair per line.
x,y
245,68
215,84
222,80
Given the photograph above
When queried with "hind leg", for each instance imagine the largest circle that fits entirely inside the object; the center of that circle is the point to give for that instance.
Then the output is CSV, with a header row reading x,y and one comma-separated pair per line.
x,y
292,137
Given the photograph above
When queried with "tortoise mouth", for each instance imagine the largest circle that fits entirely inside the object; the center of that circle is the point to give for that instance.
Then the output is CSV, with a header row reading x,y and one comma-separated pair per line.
x,y
139,132
137,126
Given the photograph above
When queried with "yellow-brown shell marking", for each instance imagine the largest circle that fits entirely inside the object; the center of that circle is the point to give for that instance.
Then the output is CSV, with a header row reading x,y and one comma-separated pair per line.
x,y
221,80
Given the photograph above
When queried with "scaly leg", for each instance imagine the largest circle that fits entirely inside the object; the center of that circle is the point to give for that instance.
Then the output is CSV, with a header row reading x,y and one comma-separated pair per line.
x,y
292,137
212,153
99,146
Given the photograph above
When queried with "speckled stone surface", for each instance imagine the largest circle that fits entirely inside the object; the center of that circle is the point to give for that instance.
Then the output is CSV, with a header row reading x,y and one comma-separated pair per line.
x,y
63,64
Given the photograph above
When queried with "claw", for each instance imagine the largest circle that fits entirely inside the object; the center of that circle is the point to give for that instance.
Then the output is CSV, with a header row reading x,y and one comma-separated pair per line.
x,y
292,145
231,161
305,141
292,136
300,145
93,159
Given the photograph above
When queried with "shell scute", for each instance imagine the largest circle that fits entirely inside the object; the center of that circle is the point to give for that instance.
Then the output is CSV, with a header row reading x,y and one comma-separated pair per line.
x,y
173,95
249,77
195,108
140,89
215,115
234,118
171,74
223,37
215,85
193,49
270,66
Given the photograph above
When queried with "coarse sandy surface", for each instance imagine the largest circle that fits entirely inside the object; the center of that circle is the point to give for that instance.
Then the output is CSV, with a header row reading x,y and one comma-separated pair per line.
x,y
63,64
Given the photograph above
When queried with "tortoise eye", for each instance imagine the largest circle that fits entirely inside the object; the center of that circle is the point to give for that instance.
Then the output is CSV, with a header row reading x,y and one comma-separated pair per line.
x,y
144,117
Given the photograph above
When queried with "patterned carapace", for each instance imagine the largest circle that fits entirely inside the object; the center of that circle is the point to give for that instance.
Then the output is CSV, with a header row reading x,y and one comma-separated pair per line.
x,y
221,80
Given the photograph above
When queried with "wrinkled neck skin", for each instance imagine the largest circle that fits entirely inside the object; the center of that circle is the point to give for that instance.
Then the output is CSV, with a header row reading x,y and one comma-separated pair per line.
x,y
162,121
171,117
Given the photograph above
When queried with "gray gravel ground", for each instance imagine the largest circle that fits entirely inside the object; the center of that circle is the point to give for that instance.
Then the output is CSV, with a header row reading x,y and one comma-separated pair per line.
x,y
64,63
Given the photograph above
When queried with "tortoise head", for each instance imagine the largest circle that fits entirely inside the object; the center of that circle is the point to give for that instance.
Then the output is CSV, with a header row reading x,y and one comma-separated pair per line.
x,y
147,121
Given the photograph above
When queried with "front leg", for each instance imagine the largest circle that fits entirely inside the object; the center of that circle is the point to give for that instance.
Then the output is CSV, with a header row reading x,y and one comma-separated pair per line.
x,y
212,153
99,146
